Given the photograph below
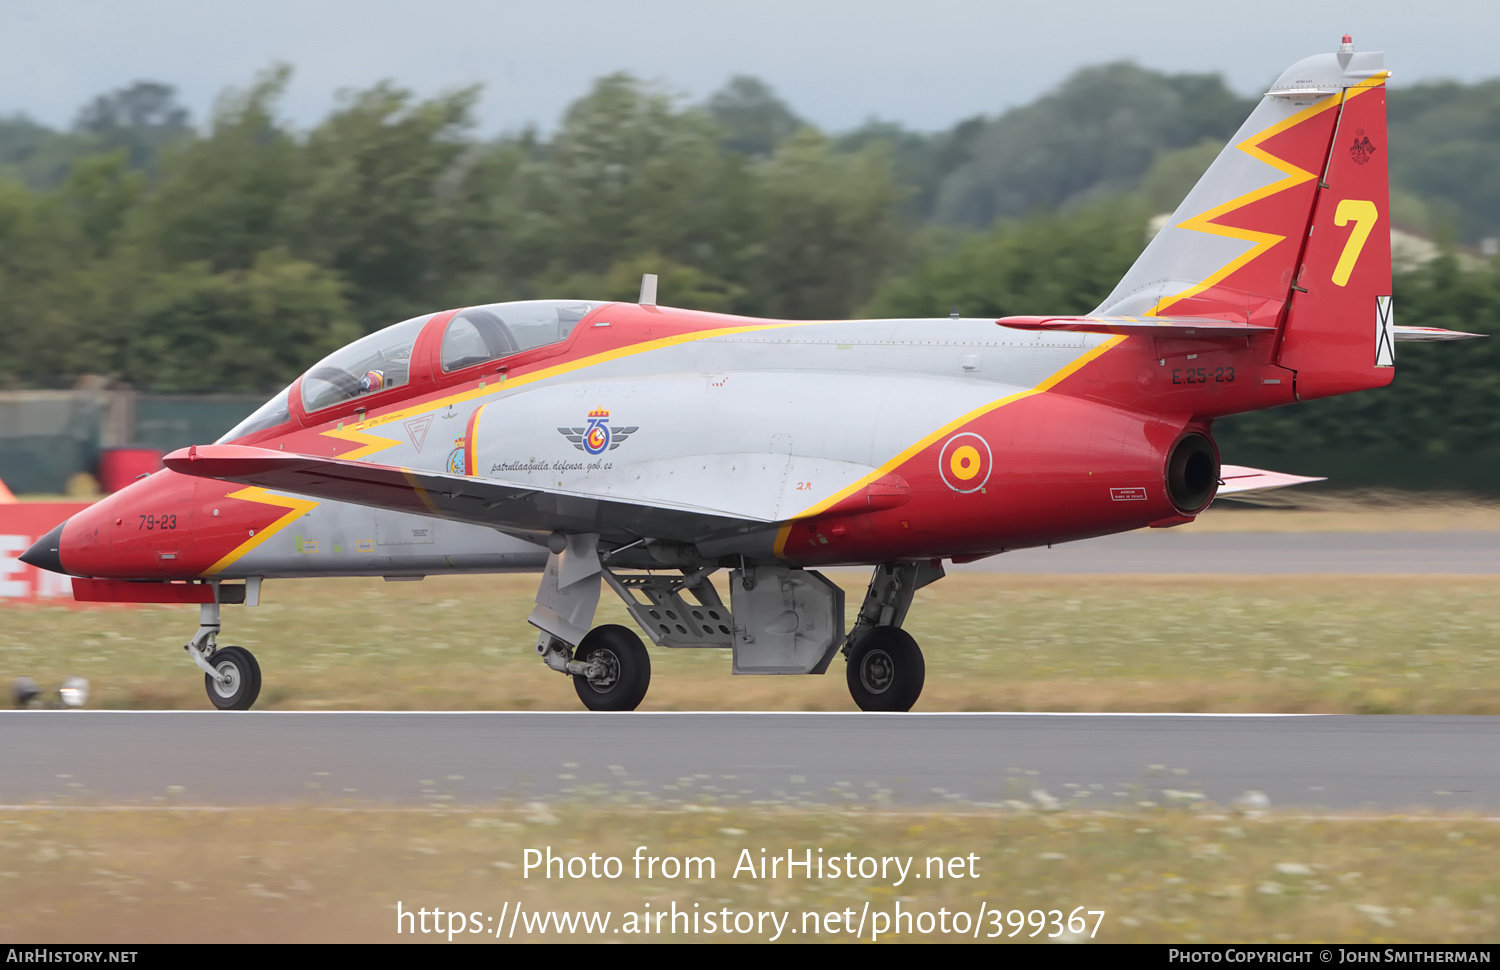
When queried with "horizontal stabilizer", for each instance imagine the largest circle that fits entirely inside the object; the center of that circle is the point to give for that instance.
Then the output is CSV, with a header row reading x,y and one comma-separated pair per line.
x,y
1433,333
1160,326
1238,478
497,504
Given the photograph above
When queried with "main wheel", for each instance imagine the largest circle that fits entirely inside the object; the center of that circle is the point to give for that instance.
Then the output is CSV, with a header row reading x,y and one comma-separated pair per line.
x,y
886,670
621,684
238,683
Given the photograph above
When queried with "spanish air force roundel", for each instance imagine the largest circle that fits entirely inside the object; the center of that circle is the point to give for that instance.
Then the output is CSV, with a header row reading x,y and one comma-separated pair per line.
x,y
965,462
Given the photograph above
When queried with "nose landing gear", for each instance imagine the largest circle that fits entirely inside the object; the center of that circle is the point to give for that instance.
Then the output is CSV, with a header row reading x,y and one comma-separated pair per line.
x,y
231,675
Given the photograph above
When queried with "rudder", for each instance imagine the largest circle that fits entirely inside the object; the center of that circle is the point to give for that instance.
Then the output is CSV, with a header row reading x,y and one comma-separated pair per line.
x,y
1339,333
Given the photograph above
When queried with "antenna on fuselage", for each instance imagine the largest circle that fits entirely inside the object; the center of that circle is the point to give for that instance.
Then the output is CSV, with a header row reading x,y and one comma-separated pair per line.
x,y
648,290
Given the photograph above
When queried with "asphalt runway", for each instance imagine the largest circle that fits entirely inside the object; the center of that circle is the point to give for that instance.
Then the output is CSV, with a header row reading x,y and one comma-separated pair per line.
x,y
1175,551
1374,763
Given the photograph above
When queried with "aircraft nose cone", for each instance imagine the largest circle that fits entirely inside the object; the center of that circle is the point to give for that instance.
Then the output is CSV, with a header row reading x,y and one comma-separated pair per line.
x,y
45,553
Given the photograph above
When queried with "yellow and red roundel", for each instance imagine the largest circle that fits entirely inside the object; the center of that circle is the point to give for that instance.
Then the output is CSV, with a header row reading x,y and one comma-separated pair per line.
x,y
965,462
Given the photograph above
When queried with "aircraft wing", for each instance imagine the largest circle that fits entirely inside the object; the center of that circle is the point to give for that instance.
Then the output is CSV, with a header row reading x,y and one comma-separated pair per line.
x,y
1238,478
521,508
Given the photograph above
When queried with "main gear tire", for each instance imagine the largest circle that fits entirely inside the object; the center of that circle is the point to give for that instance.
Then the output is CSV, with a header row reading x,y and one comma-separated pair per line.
x,y
626,669
238,684
886,670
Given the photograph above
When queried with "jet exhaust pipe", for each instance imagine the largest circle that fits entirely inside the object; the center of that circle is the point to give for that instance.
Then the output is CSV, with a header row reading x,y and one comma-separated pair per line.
x,y
1192,473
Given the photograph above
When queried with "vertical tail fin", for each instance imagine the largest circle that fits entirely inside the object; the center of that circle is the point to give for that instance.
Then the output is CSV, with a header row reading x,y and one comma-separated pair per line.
x,y
1289,228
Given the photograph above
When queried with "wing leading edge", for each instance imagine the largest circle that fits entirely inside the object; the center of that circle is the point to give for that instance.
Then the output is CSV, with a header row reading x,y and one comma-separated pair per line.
x,y
521,508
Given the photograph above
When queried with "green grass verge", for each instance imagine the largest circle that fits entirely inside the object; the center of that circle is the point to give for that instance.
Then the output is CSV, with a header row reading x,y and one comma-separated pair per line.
x,y
1350,644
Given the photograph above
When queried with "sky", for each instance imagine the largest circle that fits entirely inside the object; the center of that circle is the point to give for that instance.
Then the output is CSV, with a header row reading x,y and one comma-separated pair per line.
x,y
923,63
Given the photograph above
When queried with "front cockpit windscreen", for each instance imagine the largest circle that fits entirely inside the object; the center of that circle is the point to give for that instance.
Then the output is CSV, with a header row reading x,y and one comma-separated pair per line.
x,y
278,410
374,363
484,333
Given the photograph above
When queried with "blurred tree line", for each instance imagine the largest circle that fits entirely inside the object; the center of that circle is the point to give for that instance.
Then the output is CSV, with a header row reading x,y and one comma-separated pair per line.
x,y
228,259
229,256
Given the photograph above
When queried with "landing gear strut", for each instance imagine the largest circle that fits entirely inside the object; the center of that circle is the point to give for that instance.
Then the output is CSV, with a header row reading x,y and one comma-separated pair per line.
x,y
610,667
231,676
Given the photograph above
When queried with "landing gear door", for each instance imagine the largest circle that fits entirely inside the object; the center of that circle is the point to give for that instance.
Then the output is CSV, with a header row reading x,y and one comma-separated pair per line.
x,y
786,621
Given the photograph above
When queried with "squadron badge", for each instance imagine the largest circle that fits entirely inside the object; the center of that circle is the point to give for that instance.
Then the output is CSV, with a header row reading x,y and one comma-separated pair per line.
x,y
457,458
598,437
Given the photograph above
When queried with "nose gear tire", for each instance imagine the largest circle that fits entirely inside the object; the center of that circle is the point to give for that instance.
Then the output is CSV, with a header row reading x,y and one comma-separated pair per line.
x,y
238,684
621,686
886,670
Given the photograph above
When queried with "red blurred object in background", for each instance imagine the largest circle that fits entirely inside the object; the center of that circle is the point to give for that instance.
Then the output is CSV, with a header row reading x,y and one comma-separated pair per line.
x,y
21,524
119,467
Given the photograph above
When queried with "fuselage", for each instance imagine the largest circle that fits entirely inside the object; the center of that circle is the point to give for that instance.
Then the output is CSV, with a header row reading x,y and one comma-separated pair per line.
x,y
830,442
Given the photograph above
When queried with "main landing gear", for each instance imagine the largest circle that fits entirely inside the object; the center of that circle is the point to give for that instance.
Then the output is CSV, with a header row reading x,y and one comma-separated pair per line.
x,y
618,669
885,669
781,620
611,669
231,676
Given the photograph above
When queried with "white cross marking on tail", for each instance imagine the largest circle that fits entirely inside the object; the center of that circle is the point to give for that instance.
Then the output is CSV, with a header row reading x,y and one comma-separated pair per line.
x,y
1385,333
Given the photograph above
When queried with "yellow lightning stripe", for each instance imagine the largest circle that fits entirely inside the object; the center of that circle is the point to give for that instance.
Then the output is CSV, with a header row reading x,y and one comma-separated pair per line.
x,y
298,507
1261,241
1293,176
1072,367
373,444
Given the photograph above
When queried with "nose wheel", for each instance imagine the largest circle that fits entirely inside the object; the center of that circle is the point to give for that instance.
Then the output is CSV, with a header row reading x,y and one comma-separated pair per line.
x,y
235,683
886,671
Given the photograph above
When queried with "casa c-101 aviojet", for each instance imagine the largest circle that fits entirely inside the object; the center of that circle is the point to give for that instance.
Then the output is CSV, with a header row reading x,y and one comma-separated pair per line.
x,y
649,448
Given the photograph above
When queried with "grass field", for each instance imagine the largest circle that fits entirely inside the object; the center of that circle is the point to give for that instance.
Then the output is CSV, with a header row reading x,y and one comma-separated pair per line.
x,y
1352,644
1171,873
287,874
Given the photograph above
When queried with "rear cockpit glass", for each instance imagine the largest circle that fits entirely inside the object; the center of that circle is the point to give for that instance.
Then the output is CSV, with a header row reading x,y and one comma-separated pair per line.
x,y
484,333
278,410
375,363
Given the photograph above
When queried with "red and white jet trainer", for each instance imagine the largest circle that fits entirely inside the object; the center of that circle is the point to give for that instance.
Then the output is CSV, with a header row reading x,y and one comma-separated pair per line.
x,y
647,448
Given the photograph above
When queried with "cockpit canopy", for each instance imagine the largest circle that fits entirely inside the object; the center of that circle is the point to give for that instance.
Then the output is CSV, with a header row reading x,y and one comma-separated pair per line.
x,y
374,363
384,359
484,333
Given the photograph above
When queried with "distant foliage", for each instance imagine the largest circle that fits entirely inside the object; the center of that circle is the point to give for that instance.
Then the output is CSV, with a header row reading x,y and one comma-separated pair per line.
x,y
230,255
1444,403
1095,136
1046,264
232,258
1445,156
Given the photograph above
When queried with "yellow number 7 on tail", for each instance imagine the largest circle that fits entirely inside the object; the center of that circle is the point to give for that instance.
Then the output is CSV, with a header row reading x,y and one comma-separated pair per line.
x,y
1364,215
